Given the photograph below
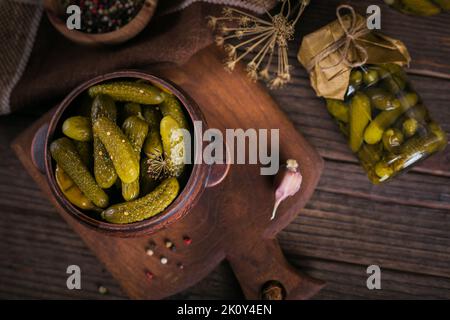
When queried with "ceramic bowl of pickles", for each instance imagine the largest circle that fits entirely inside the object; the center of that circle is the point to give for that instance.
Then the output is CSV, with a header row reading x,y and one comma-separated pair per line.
x,y
114,154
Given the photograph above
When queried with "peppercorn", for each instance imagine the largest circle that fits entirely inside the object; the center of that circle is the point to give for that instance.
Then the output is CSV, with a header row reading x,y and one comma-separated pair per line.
x,y
102,290
149,275
187,240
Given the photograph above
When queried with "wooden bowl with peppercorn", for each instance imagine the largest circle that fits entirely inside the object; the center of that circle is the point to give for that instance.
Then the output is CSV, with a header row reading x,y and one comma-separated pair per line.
x,y
102,22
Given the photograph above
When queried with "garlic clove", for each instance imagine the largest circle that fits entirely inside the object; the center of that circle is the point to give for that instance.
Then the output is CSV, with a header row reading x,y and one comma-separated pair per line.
x,y
287,183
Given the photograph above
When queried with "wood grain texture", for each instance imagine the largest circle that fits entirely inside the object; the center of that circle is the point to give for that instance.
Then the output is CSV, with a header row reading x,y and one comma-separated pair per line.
x,y
346,226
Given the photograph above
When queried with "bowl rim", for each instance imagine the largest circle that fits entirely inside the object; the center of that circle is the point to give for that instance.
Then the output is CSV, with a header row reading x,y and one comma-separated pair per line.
x,y
185,200
123,34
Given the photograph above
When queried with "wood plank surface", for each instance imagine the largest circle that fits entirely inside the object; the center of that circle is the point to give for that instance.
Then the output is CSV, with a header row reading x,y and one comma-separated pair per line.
x,y
348,224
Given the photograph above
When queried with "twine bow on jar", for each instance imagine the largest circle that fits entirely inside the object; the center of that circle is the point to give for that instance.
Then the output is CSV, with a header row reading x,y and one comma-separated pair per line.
x,y
329,53
346,44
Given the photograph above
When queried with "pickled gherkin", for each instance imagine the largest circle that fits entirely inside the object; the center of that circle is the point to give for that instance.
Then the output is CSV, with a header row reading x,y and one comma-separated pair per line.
x,y
370,154
370,77
173,145
422,144
66,156
103,106
374,132
120,150
381,99
172,107
145,207
420,7
388,126
360,115
136,130
392,140
71,190
85,151
78,128
416,147
132,109
356,78
418,112
104,172
338,109
153,144
385,119
128,91
130,191
147,183
153,116
410,127
383,170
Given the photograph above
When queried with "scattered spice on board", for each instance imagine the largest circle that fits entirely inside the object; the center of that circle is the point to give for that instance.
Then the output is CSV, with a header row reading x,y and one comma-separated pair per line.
x,y
187,240
149,252
149,275
101,16
103,290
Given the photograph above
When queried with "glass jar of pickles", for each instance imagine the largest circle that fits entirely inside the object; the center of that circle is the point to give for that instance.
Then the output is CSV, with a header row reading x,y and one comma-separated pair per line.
x,y
386,123
420,7
360,74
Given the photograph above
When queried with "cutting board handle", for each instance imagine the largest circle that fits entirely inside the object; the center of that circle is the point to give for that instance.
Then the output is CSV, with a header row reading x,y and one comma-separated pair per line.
x,y
38,148
264,266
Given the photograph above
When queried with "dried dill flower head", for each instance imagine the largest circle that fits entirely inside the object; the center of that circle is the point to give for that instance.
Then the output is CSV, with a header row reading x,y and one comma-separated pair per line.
x,y
158,167
266,40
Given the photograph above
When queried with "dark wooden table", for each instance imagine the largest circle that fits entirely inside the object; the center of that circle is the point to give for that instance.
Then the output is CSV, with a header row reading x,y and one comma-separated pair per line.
x,y
403,226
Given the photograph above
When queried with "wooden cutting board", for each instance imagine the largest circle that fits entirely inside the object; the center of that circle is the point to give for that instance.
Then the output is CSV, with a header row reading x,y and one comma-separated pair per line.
x,y
231,220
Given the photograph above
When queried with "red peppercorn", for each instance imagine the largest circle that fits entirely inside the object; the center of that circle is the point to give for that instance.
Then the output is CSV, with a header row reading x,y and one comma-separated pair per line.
x,y
187,241
149,275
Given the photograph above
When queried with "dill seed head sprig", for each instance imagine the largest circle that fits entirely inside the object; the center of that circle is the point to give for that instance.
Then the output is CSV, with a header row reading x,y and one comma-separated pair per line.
x,y
266,39
159,167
